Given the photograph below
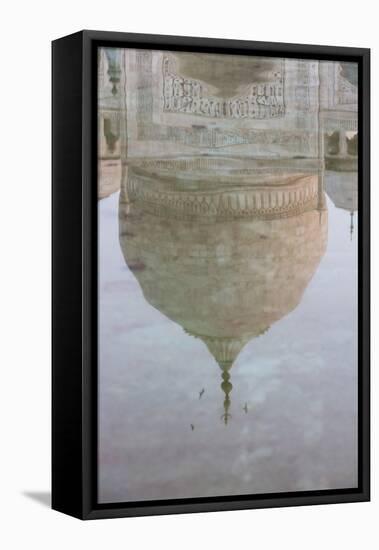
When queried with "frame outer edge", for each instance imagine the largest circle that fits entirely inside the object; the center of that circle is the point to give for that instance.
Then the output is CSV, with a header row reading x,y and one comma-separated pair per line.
x,y
84,500
67,387
365,274
89,236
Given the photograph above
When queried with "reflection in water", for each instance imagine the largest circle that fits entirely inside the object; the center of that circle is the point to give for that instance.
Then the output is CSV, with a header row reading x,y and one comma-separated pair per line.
x,y
222,240
342,189
226,259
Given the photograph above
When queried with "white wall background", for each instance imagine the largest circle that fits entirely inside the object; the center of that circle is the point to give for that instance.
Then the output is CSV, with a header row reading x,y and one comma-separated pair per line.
x,y
27,29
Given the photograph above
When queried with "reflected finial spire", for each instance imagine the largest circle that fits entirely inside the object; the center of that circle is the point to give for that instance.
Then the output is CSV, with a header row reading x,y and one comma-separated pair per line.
x,y
351,225
226,387
225,351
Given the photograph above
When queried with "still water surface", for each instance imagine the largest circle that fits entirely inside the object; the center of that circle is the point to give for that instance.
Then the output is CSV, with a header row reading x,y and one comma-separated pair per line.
x,y
227,353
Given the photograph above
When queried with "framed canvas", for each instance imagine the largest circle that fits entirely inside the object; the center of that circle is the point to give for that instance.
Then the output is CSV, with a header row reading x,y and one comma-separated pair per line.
x,y
210,275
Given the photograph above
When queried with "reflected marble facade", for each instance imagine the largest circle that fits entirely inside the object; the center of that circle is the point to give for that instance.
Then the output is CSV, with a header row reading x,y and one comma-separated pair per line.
x,y
225,167
162,104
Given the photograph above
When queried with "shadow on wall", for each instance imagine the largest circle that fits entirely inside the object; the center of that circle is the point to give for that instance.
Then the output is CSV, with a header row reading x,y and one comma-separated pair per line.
x,y
42,497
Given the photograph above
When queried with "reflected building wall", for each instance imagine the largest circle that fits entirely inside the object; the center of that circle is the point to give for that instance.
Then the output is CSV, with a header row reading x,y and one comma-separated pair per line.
x,y
339,114
270,111
162,104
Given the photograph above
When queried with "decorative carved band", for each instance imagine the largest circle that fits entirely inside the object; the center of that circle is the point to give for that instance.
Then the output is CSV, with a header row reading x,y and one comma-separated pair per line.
x,y
206,137
348,124
270,203
238,165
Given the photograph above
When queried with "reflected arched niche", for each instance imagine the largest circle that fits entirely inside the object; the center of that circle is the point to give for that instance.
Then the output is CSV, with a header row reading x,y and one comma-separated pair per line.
x,y
224,253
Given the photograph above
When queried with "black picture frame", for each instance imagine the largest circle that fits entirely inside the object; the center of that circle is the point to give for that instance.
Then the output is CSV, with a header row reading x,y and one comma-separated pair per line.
x,y
74,274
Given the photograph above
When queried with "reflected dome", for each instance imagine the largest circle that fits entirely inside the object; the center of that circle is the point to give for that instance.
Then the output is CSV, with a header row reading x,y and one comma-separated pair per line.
x,y
224,255
342,188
